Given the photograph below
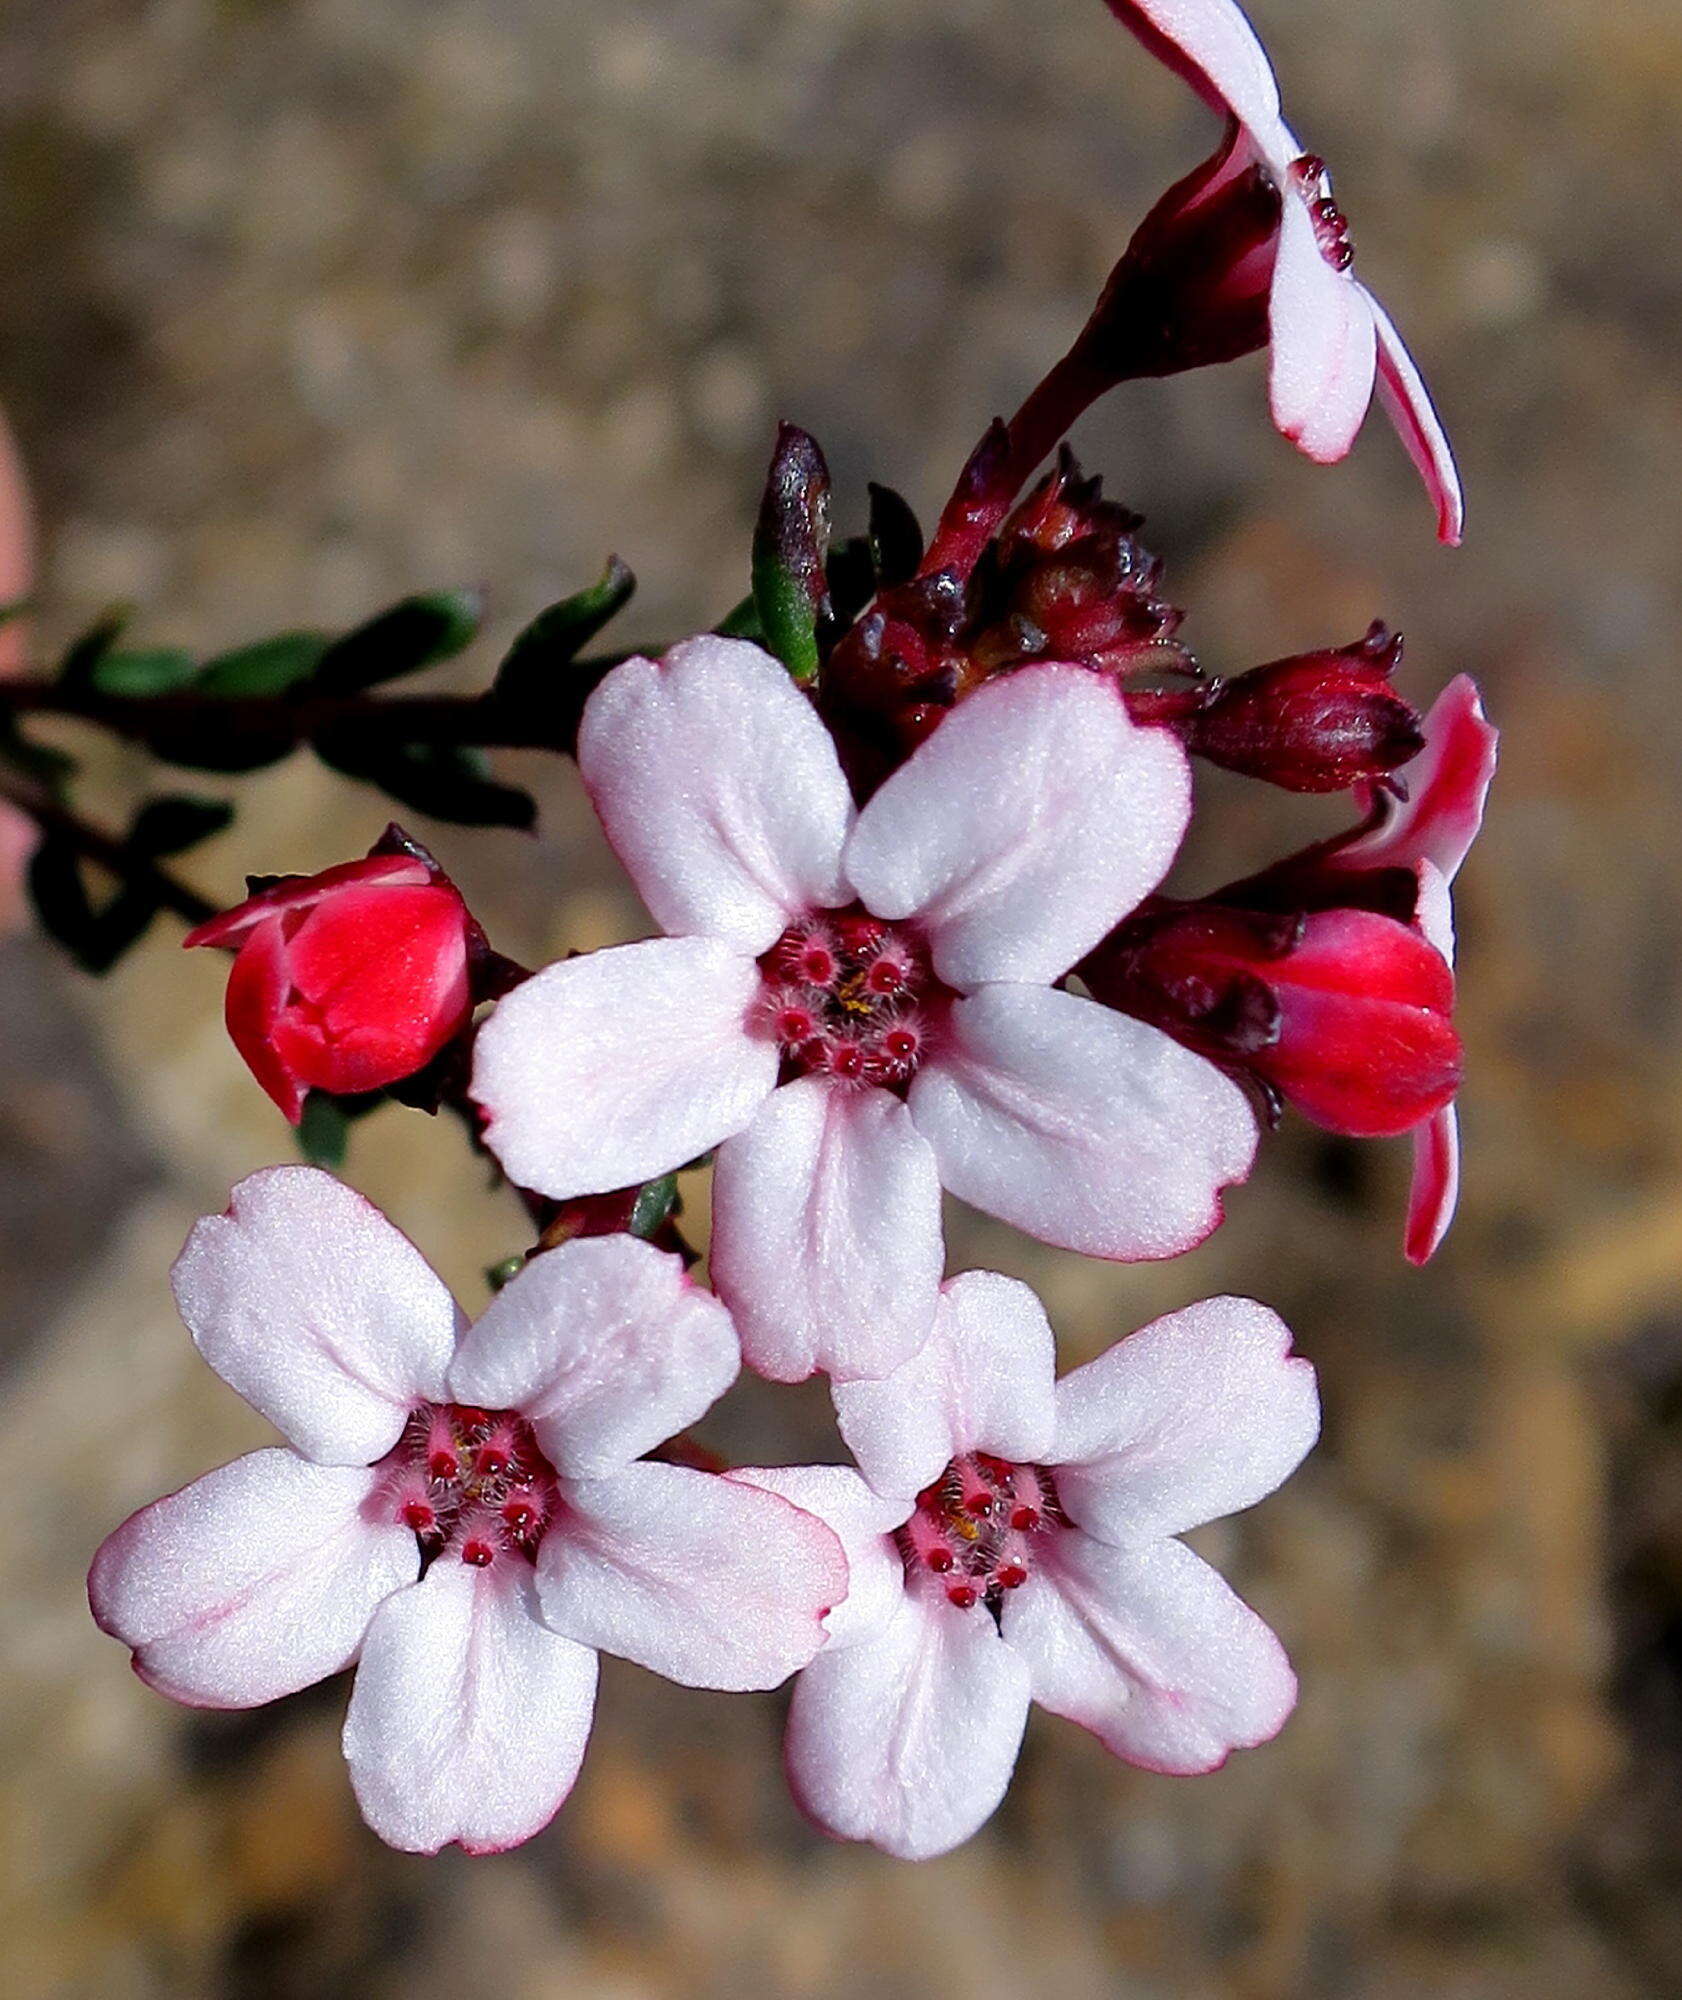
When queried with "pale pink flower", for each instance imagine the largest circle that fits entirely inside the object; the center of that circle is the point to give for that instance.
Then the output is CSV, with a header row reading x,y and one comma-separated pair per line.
x,y
19,835
1013,1539
499,1464
857,1008
1430,832
1329,337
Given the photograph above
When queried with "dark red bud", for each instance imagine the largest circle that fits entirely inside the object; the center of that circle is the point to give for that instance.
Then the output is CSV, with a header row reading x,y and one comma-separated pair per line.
x,y
1316,722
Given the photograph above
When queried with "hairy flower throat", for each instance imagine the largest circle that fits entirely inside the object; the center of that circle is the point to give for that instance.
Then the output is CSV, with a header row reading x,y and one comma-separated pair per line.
x,y
977,1529
850,996
471,1482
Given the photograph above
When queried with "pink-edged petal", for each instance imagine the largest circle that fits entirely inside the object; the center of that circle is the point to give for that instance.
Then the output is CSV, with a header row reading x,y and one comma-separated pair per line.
x,y
252,1582
1436,1184
1213,47
1323,346
1149,1649
863,1523
320,1312
1029,823
826,1240
608,1069
909,1741
1407,403
469,1716
709,1582
982,1382
720,790
605,1346
1447,785
1084,1127
298,892
1193,1417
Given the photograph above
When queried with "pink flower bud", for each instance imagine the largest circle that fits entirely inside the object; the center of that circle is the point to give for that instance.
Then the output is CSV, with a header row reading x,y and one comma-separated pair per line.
x,y
345,981
1345,1013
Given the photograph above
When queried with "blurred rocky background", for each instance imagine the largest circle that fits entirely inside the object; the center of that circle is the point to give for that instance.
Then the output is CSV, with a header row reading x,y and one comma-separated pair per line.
x,y
310,302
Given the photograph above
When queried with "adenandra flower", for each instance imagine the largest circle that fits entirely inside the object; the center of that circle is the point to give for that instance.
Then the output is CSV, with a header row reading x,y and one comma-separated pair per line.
x,y
345,981
1430,833
1013,1539
857,1008
1329,337
465,1511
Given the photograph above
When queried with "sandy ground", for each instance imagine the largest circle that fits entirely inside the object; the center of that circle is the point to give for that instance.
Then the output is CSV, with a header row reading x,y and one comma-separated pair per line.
x,y
309,302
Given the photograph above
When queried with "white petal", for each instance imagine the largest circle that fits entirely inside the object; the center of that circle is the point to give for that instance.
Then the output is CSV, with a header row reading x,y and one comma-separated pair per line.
x,y
826,1239
1322,339
1150,1650
469,1717
719,789
909,1741
605,1346
983,1382
862,1522
610,1068
706,1581
1212,45
1447,785
1195,1416
1084,1127
320,1312
1436,1184
1407,403
255,1581
1033,819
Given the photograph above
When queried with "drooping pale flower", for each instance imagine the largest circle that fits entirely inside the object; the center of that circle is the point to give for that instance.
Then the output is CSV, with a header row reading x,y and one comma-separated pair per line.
x,y
1014,1539
857,1008
345,981
1329,338
464,1511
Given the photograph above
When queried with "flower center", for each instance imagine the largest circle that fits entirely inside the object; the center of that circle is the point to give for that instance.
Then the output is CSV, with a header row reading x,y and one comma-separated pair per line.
x,y
974,1532
1331,225
471,1482
848,995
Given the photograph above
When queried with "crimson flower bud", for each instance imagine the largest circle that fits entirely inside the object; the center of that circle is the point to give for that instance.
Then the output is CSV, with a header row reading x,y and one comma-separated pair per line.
x,y
1316,722
348,980
1344,1013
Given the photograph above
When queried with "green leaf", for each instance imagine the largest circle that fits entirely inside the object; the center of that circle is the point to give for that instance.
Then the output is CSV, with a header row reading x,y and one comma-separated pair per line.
x,y
443,779
896,535
433,626
741,622
789,547
262,670
323,1131
653,1205
555,637
498,1275
171,825
83,654
95,938
159,671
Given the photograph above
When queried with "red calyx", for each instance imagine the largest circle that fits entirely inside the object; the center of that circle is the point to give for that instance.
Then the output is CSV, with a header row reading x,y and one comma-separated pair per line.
x,y
1345,1013
1316,722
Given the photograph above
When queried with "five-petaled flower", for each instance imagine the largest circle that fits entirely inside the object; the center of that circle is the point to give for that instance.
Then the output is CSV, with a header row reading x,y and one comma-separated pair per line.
x,y
857,1008
465,1511
345,981
1328,336
1013,1538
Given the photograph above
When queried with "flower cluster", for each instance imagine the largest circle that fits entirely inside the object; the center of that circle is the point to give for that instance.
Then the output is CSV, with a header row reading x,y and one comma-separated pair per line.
x,y
903,829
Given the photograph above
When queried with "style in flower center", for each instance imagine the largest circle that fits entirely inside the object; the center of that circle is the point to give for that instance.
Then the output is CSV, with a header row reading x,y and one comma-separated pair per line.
x,y
472,1483
974,1531
1331,225
850,996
